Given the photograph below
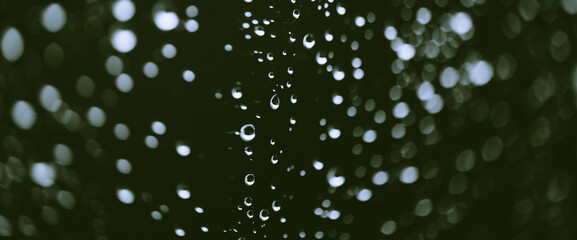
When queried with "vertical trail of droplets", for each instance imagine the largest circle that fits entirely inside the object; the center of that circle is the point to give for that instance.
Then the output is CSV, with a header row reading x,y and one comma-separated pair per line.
x,y
268,100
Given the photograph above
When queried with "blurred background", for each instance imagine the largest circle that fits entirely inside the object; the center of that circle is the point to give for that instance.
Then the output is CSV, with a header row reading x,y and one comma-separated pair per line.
x,y
292,119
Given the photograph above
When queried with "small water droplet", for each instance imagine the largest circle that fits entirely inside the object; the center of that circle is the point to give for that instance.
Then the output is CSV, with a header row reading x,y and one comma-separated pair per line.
x,y
264,214
309,41
274,102
248,201
248,150
247,132
249,179
259,30
296,13
236,92
276,205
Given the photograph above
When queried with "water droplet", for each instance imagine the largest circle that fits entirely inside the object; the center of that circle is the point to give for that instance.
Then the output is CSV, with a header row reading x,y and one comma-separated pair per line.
x,y
264,214
423,16
182,149
158,127
406,51
340,9
296,13
199,210
248,150
150,70
293,99
182,191
370,136
409,175
179,232
248,201
337,99
96,117
569,6
480,73
124,82
426,91
121,131
123,166
360,21
12,44
364,195
338,74
247,132
390,33
166,21
23,115
309,40
151,142
192,11
380,178
249,179
424,207
461,23
50,98
123,10
43,174
123,40
259,30
276,205
401,110
449,77
321,59
389,227
125,196
54,17
168,51
335,181
274,102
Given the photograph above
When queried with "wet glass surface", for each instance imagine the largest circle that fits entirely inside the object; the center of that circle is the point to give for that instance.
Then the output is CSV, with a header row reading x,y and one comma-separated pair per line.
x,y
312,119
